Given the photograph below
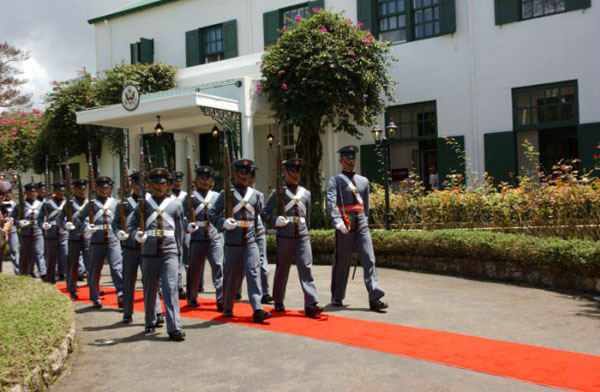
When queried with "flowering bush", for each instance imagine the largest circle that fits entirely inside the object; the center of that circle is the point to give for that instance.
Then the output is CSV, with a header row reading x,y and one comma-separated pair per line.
x,y
18,132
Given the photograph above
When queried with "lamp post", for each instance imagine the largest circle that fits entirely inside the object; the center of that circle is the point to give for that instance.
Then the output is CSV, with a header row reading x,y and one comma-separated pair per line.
x,y
382,140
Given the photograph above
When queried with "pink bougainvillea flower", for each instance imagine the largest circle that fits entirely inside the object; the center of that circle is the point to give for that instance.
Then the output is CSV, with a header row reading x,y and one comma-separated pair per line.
x,y
352,53
13,133
277,42
281,72
284,28
349,21
324,29
284,86
366,41
315,10
298,17
361,25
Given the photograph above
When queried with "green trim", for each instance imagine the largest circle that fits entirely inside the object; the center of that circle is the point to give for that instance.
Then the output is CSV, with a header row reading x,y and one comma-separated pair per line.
x,y
130,9
396,139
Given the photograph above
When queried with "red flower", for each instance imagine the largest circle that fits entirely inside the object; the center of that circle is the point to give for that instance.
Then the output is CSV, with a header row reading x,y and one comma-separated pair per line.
x,y
284,86
324,29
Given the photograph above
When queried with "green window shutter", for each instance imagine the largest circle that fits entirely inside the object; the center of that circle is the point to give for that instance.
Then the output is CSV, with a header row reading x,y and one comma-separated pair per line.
x,y
192,48
371,164
507,11
500,158
316,4
449,157
135,52
146,50
367,14
270,27
447,17
578,4
231,39
588,141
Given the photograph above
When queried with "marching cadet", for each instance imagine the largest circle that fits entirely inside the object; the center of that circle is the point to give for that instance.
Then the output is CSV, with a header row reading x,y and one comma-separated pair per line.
x,y
241,252
161,239
132,256
103,242
261,241
40,189
180,195
205,241
13,238
78,246
55,239
6,222
31,249
293,241
348,208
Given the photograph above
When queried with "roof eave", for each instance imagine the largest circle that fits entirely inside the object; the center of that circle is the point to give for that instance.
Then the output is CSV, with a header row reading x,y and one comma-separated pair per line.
x,y
128,11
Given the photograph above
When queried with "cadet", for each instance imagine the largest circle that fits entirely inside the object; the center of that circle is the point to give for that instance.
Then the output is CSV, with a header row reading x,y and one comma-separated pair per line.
x,y
161,239
132,256
79,247
31,242
13,238
293,242
55,239
103,242
241,252
180,195
40,189
205,241
6,222
348,208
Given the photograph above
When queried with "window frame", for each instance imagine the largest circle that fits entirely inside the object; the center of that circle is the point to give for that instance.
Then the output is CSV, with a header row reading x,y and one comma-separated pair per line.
x,y
396,137
409,12
522,18
282,11
546,124
221,54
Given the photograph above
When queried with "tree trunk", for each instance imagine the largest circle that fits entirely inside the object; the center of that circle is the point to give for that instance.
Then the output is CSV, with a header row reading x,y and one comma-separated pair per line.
x,y
310,148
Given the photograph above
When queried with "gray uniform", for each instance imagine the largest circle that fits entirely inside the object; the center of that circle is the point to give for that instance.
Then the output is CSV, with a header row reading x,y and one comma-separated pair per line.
x,y
78,246
13,238
103,244
55,238
184,256
31,241
160,256
241,251
132,260
206,242
293,243
342,198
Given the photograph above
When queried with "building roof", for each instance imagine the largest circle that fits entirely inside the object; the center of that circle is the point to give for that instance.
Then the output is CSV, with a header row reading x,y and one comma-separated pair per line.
x,y
136,6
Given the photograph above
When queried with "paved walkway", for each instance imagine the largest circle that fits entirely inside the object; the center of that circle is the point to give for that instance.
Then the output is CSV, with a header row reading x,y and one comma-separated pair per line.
x,y
217,357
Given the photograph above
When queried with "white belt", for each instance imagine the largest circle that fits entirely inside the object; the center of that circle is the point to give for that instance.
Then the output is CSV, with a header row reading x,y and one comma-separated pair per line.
x,y
202,223
244,224
103,227
296,219
161,233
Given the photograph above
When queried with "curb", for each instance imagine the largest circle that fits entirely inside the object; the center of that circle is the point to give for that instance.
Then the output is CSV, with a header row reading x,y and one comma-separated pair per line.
x,y
40,378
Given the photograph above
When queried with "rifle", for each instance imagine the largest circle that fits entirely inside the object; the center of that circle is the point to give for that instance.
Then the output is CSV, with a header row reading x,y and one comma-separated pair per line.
x,y
142,196
346,221
279,183
21,207
47,180
91,182
68,192
125,188
228,195
190,202
149,155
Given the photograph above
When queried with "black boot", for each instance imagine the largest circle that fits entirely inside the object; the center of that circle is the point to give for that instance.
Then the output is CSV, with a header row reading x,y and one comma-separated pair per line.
x,y
177,336
377,306
313,311
279,307
260,315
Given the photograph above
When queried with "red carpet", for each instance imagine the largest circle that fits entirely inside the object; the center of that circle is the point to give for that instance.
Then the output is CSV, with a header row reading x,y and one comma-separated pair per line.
x,y
539,365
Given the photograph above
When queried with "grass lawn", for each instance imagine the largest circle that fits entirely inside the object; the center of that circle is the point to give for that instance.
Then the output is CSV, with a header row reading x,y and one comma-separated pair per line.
x,y
34,319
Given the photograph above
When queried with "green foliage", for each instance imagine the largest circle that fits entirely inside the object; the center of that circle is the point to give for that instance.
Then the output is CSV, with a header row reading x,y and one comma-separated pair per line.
x,y
19,131
326,68
148,78
34,319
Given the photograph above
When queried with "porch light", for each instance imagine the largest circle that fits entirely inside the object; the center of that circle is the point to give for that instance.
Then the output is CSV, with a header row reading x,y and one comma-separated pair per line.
x,y
376,133
270,139
158,129
215,132
391,128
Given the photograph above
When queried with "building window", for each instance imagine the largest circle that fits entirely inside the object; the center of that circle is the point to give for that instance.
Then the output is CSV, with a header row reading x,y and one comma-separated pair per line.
x,y
546,105
288,146
392,21
426,18
213,44
534,8
289,14
408,20
414,121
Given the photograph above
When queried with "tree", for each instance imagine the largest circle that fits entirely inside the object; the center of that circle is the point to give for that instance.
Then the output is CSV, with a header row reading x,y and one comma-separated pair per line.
x,y
325,71
19,131
9,80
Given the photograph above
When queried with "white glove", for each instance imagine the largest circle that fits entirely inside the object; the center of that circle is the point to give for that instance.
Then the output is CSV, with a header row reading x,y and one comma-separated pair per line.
x,y
90,229
122,236
281,221
141,236
192,227
24,223
229,224
341,226
46,226
69,226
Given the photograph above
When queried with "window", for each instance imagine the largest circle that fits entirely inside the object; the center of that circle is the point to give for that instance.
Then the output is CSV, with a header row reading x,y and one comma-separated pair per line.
x,y
288,146
426,18
414,121
288,15
546,105
142,51
534,8
392,20
213,44
274,20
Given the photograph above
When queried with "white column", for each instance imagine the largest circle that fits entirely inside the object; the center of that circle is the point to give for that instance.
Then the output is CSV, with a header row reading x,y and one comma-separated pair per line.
x,y
247,137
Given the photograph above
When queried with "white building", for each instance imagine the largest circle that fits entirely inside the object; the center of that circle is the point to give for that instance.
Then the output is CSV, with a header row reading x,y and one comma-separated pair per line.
x,y
489,73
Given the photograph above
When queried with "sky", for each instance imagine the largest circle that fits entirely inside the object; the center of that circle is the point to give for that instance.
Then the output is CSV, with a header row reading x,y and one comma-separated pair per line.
x,y
56,35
